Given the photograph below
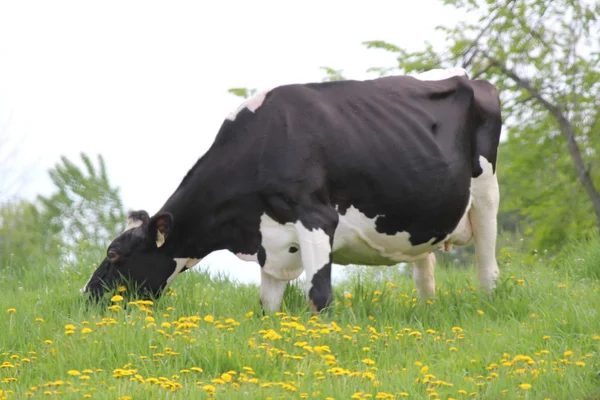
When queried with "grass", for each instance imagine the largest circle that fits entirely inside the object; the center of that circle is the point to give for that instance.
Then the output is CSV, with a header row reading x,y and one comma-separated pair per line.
x,y
537,338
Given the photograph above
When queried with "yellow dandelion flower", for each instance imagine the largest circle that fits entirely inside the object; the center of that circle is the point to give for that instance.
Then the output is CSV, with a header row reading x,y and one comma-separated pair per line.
x,y
73,372
424,369
86,330
568,353
209,318
122,289
525,386
116,298
11,310
48,341
480,312
368,361
456,329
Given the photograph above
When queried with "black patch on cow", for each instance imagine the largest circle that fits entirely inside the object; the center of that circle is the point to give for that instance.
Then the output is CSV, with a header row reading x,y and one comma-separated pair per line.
x,y
293,249
320,293
261,256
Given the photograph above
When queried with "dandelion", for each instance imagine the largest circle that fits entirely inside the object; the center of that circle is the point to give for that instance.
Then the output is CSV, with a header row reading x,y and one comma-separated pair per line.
x,y
209,318
546,337
11,310
568,353
226,377
122,289
86,330
116,298
368,361
525,386
480,312
73,372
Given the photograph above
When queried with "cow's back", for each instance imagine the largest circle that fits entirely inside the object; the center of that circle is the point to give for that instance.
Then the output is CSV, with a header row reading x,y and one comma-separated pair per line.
x,y
395,147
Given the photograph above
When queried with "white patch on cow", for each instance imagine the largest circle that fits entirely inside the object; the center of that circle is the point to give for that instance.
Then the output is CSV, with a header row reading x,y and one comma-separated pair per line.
x,y
357,241
271,291
439,74
424,276
483,214
314,250
132,223
247,257
251,104
160,239
181,263
276,240
462,234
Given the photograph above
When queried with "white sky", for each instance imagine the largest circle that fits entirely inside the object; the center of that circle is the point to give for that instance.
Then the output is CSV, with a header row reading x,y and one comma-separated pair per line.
x,y
144,83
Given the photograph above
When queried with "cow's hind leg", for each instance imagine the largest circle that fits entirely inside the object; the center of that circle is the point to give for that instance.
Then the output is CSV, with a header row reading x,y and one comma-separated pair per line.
x,y
316,228
424,276
483,214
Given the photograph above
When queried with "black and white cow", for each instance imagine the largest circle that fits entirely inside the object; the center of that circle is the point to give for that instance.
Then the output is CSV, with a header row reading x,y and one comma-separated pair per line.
x,y
373,172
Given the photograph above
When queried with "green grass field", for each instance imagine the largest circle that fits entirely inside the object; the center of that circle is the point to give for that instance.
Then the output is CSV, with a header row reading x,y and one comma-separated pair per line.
x,y
537,338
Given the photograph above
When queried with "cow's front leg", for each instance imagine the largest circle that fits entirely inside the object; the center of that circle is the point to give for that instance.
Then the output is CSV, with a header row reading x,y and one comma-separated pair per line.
x,y
271,292
424,276
483,214
315,236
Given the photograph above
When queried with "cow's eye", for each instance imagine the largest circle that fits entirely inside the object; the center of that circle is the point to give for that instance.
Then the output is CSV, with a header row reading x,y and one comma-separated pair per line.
x,y
112,255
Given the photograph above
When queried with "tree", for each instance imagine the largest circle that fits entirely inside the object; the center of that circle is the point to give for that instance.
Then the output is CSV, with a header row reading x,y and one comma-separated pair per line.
x,y
71,226
544,56
85,209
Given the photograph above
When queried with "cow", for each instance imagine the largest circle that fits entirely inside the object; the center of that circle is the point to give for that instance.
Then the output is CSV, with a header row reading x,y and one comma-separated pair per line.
x,y
369,172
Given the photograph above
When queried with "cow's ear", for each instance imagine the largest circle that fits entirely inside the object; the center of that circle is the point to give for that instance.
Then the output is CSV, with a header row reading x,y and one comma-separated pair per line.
x,y
161,225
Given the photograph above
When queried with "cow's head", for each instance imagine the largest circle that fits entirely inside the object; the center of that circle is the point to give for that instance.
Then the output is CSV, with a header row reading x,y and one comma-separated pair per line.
x,y
138,258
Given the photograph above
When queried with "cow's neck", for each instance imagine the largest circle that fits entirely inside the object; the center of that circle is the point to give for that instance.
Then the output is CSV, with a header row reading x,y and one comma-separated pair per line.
x,y
210,215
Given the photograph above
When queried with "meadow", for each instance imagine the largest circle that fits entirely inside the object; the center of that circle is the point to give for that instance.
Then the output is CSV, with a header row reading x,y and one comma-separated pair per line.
x,y
537,338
